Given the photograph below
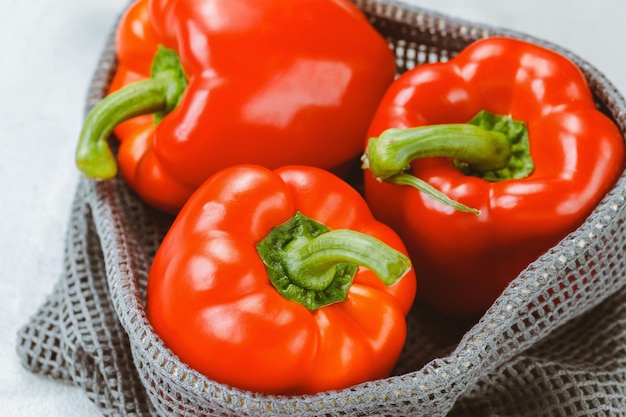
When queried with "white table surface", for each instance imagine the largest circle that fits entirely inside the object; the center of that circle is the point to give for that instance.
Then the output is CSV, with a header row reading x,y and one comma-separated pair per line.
x,y
49,50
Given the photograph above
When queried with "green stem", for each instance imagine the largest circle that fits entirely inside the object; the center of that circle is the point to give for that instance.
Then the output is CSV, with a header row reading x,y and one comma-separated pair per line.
x,y
314,266
426,188
394,150
93,155
491,147
320,255
158,94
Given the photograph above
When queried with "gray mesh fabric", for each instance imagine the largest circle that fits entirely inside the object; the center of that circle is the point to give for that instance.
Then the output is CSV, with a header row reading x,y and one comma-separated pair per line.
x,y
553,344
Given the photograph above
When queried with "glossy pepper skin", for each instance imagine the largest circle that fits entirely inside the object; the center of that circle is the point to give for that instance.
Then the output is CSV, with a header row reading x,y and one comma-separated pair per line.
x,y
268,82
465,260
211,301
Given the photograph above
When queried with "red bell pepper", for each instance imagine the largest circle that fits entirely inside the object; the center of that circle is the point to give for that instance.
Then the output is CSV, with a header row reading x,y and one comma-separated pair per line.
x,y
257,284
563,155
268,82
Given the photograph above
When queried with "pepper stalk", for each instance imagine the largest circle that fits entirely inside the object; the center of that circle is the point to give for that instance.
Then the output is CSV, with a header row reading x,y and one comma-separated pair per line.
x,y
157,95
314,266
492,147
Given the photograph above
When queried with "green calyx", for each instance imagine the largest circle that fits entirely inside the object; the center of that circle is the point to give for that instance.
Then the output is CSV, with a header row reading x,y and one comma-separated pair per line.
x,y
158,95
315,266
519,164
491,147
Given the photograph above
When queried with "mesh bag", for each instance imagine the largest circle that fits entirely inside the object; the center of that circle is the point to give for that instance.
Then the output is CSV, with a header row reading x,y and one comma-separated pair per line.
x,y
553,344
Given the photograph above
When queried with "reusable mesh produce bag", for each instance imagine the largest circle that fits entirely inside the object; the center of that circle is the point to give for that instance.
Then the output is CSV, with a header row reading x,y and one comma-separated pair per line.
x,y
553,344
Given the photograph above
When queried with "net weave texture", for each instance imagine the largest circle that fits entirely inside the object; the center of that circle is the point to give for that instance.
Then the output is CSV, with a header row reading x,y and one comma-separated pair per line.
x,y
553,344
